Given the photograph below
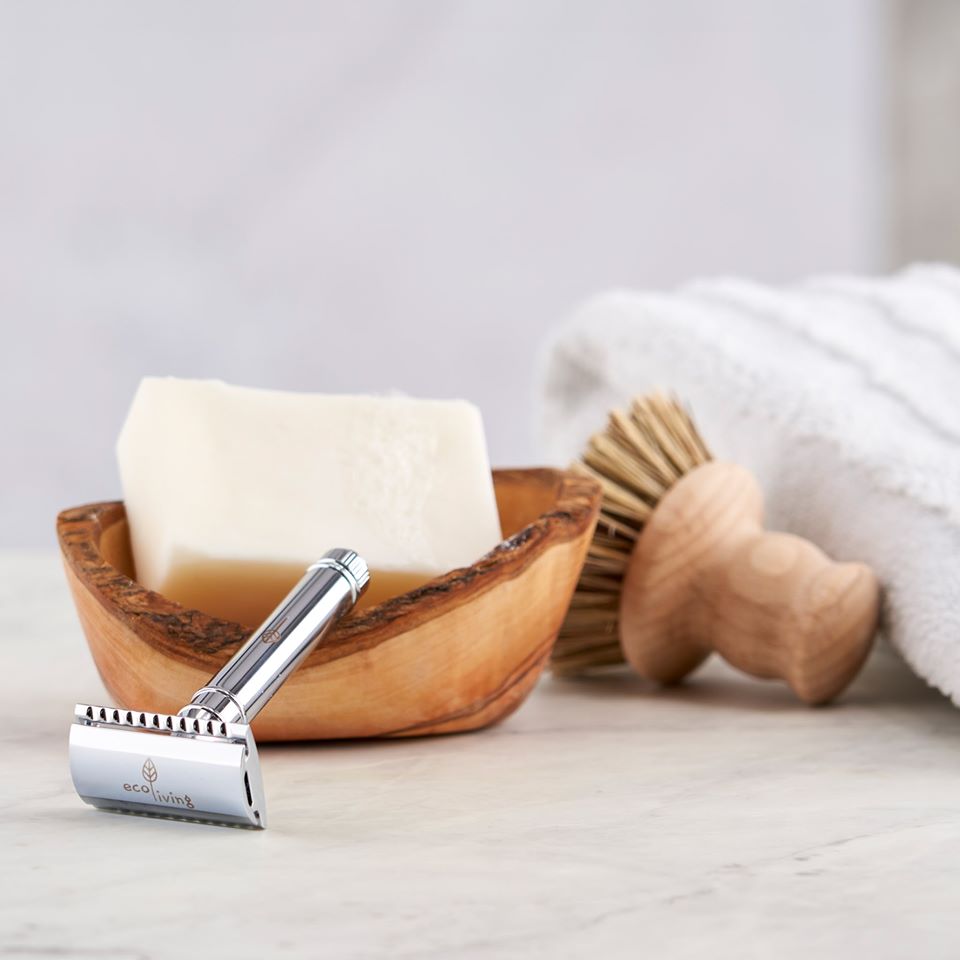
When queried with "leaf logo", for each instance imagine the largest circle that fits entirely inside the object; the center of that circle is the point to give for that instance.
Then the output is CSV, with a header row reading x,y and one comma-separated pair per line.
x,y
149,771
273,634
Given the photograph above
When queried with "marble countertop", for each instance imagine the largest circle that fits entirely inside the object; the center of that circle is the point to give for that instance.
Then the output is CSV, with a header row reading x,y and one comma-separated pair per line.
x,y
603,819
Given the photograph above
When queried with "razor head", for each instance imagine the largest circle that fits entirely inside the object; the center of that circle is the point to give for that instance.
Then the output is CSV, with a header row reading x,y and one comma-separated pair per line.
x,y
165,765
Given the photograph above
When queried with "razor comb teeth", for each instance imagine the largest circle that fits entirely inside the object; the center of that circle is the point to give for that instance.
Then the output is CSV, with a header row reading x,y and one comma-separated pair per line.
x,y
157,722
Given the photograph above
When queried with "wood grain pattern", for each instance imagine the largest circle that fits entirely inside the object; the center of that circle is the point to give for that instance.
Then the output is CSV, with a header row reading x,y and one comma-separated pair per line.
x,y
457,654
705,576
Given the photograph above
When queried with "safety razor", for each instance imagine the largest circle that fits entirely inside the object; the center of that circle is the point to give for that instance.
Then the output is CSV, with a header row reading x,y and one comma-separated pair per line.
x,y
201,763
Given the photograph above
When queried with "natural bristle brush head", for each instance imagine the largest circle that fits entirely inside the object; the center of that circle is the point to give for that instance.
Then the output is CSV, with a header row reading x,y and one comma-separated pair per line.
x,y
201,764
641,454
680,566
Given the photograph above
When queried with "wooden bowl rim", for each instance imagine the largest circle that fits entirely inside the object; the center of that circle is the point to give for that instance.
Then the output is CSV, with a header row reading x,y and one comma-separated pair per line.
x,y
200,639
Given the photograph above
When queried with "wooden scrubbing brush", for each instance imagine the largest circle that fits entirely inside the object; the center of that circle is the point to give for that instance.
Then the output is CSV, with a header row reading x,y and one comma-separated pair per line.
x,y
680,566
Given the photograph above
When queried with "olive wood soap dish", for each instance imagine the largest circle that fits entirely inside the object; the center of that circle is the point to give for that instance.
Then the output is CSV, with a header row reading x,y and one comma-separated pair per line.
x,y
459,653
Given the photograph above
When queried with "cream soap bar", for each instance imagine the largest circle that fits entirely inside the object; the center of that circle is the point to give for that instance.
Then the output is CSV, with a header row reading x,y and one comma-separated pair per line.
x,y
231,491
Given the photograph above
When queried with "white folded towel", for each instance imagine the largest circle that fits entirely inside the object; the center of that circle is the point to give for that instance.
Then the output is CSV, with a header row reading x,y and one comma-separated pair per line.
x,y
842,394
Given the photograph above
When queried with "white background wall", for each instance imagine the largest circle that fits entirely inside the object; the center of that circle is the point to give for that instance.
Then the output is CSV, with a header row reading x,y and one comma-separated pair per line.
x,y
394,195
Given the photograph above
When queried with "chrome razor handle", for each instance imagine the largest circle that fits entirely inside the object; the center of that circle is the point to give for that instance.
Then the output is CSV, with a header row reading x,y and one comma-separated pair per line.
x,y
327,591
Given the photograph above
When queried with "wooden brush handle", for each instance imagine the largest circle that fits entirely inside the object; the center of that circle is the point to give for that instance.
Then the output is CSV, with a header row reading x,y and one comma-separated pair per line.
x,y
705,576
